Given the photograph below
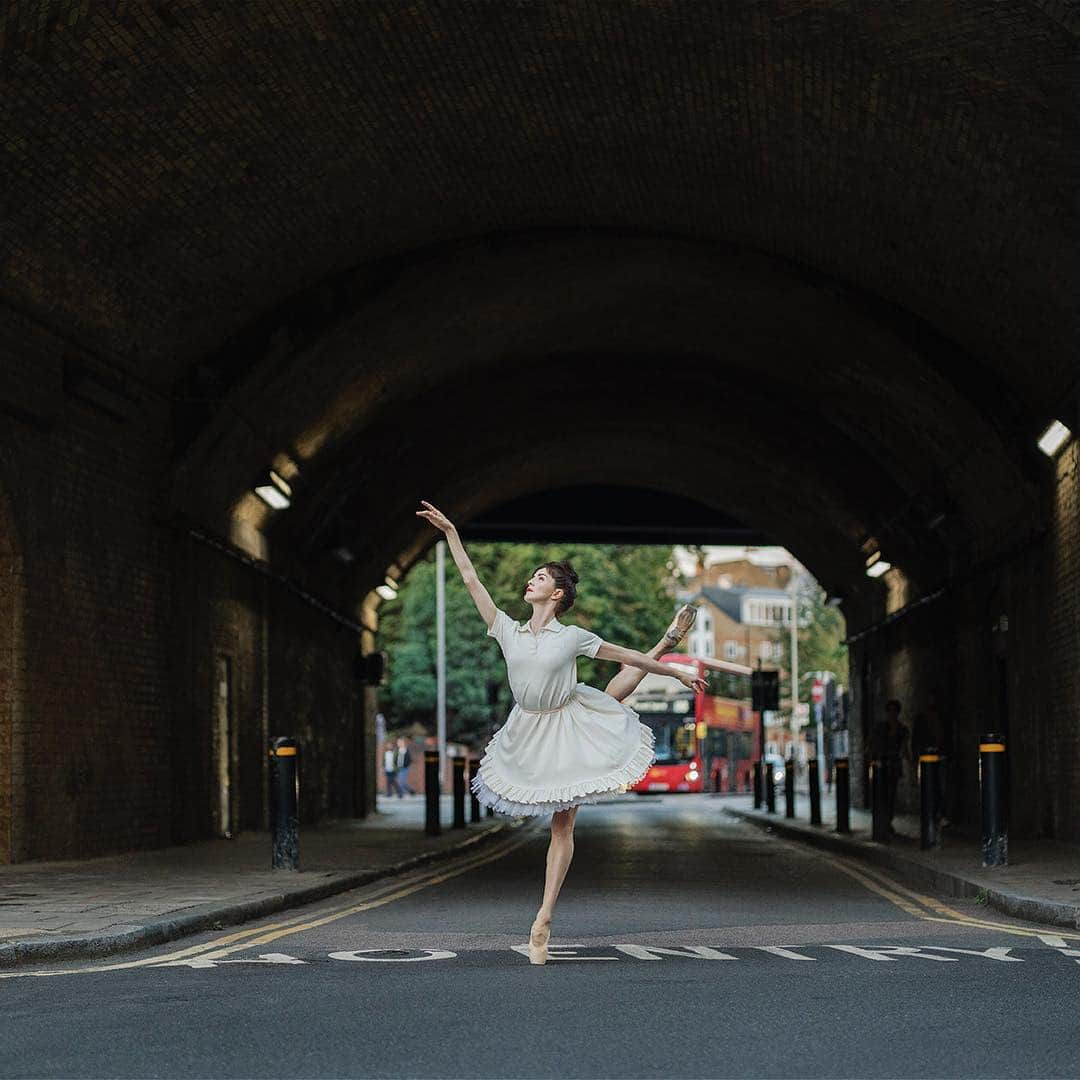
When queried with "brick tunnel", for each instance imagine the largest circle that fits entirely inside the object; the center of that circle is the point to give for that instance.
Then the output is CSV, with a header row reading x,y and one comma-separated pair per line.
x,y
811,268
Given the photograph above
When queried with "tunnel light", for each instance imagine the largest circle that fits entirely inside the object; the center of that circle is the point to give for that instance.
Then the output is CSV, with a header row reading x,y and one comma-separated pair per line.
x,y
386,592
273,498
343,554
834,601
391,583
1054,438
878,568
280,483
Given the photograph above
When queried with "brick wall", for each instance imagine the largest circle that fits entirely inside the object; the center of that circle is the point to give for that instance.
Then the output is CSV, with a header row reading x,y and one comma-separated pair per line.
x,y
997,654
1059,649
82,460
115,624
11,595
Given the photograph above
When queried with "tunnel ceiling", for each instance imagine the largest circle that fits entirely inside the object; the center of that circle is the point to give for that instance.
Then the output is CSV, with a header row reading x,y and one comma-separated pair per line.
x,y
768,234
609,514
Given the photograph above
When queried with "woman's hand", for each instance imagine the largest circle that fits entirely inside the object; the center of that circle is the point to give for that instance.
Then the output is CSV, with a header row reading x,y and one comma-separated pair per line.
x,y
691,682
438,519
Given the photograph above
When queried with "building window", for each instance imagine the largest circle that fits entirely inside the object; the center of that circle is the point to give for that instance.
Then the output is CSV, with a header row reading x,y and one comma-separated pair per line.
x,y
767,613
731,650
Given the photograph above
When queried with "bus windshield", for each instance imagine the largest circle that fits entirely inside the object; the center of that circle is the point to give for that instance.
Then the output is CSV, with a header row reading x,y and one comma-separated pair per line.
x,y
674,737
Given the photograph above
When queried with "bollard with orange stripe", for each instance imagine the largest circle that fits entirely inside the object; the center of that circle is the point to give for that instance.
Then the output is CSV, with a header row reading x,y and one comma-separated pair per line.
x,y
929,810
993,792
284,804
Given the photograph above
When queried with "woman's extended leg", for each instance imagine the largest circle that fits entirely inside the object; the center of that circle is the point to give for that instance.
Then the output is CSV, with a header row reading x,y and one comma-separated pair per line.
x,y
628,678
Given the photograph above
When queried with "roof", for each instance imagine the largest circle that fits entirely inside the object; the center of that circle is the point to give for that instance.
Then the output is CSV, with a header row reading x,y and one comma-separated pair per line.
x,y
729,601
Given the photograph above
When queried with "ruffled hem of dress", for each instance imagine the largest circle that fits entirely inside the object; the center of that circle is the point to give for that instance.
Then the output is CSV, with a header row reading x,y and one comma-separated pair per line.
x,y
491,790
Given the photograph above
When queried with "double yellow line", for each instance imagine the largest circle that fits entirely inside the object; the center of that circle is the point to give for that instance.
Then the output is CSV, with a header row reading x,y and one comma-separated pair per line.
x,y
379,894
928,908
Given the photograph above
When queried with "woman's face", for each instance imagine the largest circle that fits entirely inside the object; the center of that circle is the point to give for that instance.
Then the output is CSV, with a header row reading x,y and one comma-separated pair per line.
x,y
540,587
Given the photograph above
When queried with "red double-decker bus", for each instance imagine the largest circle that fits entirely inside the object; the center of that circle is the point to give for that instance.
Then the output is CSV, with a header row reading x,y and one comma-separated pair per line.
x,y
704,741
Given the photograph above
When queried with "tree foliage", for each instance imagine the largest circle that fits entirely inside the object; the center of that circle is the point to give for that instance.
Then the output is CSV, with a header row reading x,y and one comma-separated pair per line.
x,y
821,637
624,595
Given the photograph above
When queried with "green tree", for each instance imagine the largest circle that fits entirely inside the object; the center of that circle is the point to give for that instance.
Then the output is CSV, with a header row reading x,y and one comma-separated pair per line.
x,y
623,595
821,634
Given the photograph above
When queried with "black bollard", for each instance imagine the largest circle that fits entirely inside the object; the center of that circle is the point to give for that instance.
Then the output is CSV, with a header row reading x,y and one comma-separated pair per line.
x,y
929,810
432,825
843,795
789,788
995,832
879,801
457,765
759,791
815,791
770,788
284,801
474,802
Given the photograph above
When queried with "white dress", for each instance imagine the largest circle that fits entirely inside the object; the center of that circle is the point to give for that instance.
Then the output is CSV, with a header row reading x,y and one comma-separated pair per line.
x,y
564,743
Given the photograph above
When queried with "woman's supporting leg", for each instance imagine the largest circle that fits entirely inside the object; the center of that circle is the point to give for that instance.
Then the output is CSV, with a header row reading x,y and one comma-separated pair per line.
x,y
560,853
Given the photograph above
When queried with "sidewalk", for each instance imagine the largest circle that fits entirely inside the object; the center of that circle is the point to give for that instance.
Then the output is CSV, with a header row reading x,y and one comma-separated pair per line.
x,y
95,907
1041,882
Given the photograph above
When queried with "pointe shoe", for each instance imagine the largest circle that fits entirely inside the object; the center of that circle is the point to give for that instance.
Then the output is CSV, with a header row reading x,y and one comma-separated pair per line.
x,y
680,625
538,939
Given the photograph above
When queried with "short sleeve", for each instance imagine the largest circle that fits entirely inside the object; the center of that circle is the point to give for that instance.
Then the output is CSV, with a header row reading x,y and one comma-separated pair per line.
x,y
501,628
588,643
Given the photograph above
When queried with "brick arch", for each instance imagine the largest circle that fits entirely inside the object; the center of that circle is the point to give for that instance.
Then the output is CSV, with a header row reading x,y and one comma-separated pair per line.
x,y
923,152
650,329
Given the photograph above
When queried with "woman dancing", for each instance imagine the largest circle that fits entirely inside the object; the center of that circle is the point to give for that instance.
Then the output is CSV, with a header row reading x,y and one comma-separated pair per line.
x,y
564,743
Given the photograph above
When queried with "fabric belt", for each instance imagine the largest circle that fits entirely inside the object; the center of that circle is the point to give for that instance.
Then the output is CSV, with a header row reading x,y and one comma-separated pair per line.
x,y
540,712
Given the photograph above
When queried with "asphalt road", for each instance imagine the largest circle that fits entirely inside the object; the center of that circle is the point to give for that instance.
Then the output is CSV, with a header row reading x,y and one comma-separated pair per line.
x,y
684,944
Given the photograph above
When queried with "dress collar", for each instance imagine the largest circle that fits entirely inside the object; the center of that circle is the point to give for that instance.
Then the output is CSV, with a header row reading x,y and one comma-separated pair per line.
x,y
555,626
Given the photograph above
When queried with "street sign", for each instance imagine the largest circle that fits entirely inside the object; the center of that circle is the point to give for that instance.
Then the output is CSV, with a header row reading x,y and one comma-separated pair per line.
x,y
817,692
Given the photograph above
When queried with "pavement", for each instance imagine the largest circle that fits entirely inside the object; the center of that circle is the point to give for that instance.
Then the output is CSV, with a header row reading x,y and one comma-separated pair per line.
x,y
685,943
1041,882
97,907
92,908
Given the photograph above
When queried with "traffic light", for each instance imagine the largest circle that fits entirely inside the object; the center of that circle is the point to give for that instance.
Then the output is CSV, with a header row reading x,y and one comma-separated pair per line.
x,y
765,691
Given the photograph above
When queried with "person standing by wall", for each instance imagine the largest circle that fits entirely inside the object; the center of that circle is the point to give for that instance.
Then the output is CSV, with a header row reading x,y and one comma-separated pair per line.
x,y
403,760
889,744
390,769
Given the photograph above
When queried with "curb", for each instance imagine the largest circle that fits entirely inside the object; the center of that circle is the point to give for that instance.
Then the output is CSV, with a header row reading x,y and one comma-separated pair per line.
x,y
1018,905
165,929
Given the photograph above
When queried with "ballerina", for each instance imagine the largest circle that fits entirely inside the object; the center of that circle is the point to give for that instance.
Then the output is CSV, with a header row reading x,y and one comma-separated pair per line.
x,y
564,743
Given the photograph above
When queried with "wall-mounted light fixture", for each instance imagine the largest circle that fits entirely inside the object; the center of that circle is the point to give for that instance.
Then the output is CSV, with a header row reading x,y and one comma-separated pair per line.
x,y
385,592
876,565
1054,438
277,493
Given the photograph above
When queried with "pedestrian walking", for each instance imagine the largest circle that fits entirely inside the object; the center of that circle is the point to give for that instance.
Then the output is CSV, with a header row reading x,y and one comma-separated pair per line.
x,y
403,759
390,769
564,743
889,744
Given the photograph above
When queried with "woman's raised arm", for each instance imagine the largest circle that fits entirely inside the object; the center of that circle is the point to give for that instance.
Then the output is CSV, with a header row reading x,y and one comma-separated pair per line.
x,y
484,604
